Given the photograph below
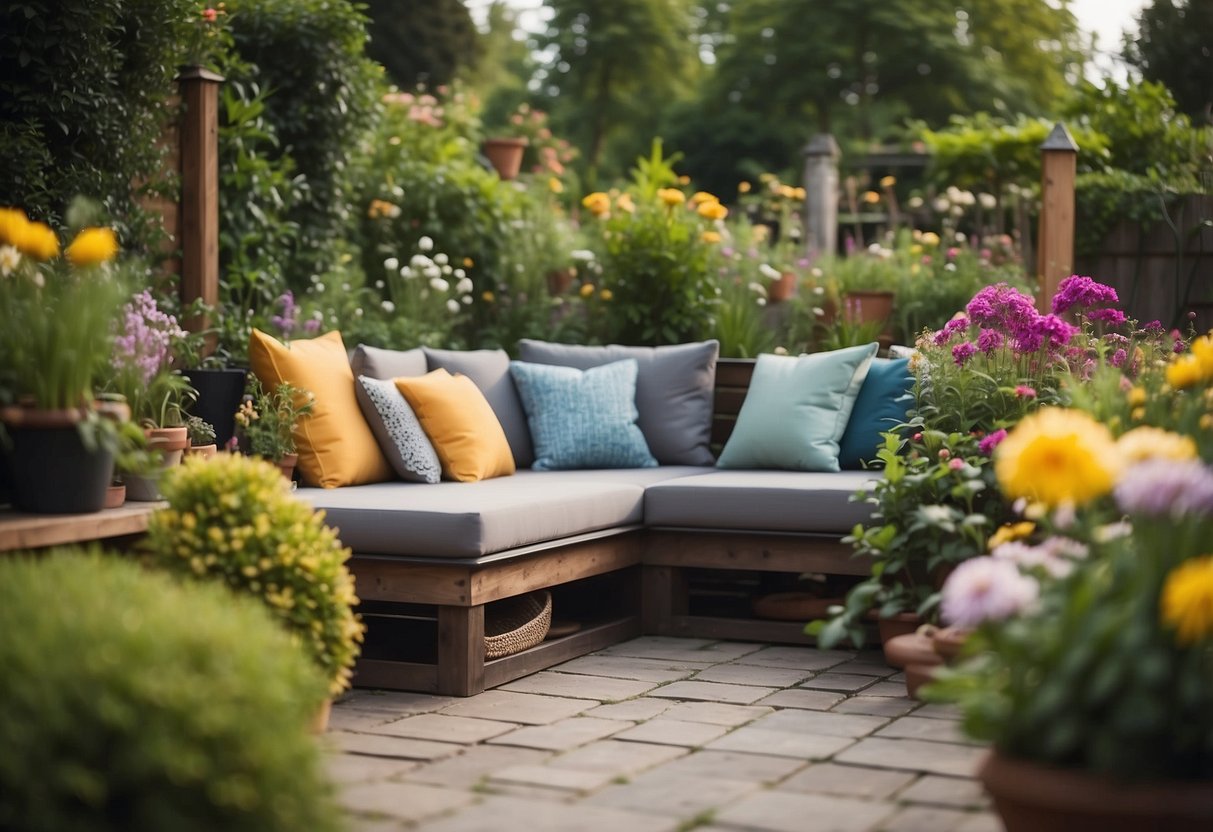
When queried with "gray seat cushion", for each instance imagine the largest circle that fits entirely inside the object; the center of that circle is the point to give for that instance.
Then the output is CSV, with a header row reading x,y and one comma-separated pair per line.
x,y
776,501
467,520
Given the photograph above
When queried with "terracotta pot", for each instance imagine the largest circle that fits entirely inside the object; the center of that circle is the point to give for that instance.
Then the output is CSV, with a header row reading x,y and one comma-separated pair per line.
x,y
918,675
783,288
793,606
116,409
320,721
948,641
52,471
167,439
287,465
910,648
868,306
1031,797
896,625
201,451
115,496
505,155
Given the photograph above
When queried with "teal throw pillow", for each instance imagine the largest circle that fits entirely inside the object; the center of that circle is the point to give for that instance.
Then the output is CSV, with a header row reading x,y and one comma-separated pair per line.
x,y
796,410
582,418
882,405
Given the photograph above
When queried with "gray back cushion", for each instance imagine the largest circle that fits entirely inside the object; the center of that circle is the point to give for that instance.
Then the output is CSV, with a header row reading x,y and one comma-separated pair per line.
x,y
378,363
674,391
490,371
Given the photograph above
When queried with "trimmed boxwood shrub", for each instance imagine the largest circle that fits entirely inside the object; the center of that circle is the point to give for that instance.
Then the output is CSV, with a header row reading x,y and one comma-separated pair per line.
x,y
132,702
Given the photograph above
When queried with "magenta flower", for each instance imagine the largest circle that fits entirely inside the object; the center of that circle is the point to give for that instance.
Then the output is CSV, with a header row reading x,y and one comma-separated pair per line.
x,y
963,351
958,324
1082,293
287,321
1118,358
956,463
989,340
986,589
1108,316
1023,391
991,441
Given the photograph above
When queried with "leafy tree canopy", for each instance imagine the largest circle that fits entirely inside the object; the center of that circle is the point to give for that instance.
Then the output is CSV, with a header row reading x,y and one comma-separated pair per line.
x,y
1174,46
422,41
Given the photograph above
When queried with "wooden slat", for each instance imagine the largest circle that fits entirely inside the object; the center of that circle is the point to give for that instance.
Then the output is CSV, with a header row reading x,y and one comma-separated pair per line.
x,y
385,579
728,401
506,579
461,650
734,372
382,673
737,629
549,653
742,550
722,428
31,531
664,593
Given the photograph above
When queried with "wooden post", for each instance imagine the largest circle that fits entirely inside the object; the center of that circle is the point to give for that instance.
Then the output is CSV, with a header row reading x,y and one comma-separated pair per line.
x,y
200,192
821,194
1055,240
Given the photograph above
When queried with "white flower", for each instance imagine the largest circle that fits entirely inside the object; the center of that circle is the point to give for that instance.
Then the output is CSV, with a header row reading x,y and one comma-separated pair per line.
x,y
10,258
388,306
358,312
769,272
819,312
819,290
446,269
407,272
464,285
391,264
420,261
460,273
316,316
949,267
441,259
439,285
466,300
986,589
425,244
757,288
379,283
345,287
914,203
452,306
941,204
397,191
761,301
431,271
583,254
40,280
987,201
960,237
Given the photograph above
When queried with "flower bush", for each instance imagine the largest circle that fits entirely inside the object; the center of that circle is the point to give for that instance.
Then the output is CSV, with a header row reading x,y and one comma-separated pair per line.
x,y
233,520
266,420
142,364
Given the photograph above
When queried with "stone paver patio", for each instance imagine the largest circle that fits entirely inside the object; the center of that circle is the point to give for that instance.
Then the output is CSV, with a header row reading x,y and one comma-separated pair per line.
x,y
663,735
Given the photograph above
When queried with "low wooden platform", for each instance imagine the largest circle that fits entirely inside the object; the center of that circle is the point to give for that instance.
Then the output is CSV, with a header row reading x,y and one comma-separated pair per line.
x,y
34,531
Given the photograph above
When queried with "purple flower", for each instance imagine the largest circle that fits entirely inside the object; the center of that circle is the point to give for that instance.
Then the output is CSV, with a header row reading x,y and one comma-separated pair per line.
x,y
1109,316
1023,391
963,351
989,340
958,324
1033,557
1153,327
1081,292
1001,307
145,338
991,441
1166,488
1118,358
287,321
986,589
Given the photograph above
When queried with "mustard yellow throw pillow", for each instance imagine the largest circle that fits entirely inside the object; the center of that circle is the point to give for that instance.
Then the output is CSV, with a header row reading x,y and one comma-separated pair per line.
x,y
463,429
336,446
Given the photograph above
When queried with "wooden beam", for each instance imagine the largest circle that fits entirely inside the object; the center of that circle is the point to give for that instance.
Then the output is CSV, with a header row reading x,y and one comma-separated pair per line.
x,y
1055,240
461,650
508,578
200,192
31,531
752,550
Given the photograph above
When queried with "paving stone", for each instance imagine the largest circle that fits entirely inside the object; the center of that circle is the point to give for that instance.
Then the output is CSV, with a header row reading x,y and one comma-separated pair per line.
x,y
816,700
819,722
730,765
788,812
852,781
408,801
628,667
532,793
619,759
712,692
510,706
752,674
914,755
474,764
512,814
351,719
377,745
924,819
800,658
864,668
358,768
445,728
875,706
845,682
633,709
945,791
678,795
888,688
673,732
550,777
579,687
562,735
898,677
716,713
981,822
681,649
393,701
780,743
359,823
938,711
919,728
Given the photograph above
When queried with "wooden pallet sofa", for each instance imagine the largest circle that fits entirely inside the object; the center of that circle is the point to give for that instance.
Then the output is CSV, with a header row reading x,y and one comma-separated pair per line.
x,y
618,549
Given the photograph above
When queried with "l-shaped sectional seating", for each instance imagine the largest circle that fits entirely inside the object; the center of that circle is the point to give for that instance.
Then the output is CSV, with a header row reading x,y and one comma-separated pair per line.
x,y
614,546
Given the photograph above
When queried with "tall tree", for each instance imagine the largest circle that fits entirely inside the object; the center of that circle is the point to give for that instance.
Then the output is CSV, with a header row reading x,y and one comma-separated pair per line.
x,y
610,63
1174,46
422,41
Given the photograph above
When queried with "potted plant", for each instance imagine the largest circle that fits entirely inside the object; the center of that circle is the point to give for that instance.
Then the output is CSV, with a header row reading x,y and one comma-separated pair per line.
x,y
57,313
218,387
505,154
202,438
265,423
234,520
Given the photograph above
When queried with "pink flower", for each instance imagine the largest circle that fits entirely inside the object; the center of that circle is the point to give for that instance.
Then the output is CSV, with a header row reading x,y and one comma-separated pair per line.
x,y
1023,391
944,453
986,589
990,442
210,15
956,464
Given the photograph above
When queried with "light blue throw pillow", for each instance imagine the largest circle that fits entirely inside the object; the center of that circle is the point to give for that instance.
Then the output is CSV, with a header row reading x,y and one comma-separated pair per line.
x,y
796,410
582,418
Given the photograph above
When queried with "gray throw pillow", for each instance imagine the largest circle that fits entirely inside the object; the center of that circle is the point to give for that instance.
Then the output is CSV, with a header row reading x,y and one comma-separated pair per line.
x,y
674,391
379,363
490,371
396,428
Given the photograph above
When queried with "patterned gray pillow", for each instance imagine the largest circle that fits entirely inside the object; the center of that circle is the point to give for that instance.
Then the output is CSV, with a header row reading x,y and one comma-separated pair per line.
x,y
397,430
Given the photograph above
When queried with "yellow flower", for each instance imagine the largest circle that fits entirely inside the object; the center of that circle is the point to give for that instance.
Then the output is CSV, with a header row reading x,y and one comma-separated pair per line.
x,y
888,181
871,197
1187,600
1154,443
597,203
713,211
1184,371
671,196
761,233
930,238
710,237
700,197
555,185
1057,457
93,246
787,192
468,262
587,289
38,242
13,223
625,204
1011,531
488,297
743,187
1202,349
606,294
1137,397
684,180
799,194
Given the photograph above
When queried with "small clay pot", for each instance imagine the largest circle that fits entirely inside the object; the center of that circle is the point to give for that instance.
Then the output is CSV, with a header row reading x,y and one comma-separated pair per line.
x,y
201,451
948,641
287,465
918,675
911,648
115,496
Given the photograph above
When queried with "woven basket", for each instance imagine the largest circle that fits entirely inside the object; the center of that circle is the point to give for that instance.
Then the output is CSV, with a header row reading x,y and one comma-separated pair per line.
x,y
516,624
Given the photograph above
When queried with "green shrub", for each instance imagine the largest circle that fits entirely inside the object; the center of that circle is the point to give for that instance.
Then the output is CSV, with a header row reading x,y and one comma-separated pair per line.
x,y
133,703
234,519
